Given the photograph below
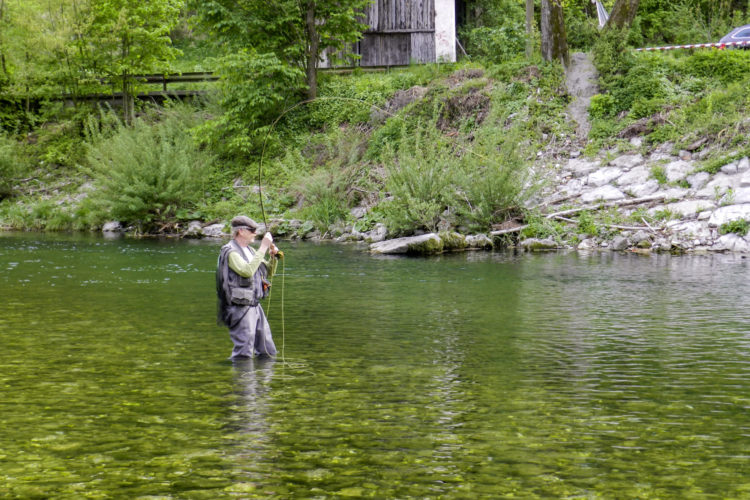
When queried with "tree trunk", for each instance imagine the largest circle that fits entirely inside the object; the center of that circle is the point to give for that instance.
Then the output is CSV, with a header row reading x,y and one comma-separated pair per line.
x,y
529,28
554,39
3,66
313,49
623,13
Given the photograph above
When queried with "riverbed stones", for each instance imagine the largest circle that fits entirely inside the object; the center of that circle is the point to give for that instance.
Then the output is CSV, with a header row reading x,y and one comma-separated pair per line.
x,y
424,245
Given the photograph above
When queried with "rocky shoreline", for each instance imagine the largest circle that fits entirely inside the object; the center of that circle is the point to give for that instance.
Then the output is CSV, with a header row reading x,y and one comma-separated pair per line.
x,y
687,206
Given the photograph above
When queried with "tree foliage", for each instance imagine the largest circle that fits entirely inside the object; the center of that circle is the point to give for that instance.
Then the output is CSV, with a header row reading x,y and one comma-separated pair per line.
x,y
131,38
295,31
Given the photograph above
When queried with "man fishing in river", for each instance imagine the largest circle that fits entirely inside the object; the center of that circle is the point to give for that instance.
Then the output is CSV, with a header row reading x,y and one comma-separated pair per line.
x,y
241,282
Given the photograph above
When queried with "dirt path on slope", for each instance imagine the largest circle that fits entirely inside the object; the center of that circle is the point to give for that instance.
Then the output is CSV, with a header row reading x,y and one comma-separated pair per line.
x,y
581,80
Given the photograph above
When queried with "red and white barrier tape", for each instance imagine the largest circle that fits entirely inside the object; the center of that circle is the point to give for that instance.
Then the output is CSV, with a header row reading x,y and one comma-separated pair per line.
x,y
719,45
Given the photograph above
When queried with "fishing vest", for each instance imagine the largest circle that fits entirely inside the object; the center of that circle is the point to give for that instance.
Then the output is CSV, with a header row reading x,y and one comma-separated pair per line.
x,y
239,290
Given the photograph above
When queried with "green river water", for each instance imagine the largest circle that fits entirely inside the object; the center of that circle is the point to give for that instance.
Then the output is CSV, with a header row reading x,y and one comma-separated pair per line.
x,y
479,375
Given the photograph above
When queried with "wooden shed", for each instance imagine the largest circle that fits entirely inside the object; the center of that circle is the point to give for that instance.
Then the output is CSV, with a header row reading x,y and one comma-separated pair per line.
x,y
402,32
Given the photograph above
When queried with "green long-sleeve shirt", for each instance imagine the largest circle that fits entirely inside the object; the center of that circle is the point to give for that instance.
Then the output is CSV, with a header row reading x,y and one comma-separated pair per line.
x,y
247,269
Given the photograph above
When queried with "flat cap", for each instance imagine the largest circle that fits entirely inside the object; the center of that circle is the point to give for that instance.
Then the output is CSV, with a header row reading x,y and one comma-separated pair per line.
x,y
242,221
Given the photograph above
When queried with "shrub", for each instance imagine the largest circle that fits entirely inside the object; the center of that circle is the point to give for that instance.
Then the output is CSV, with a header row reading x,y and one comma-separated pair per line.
x,y
421,180
602,106
739,226
8,166
147,172
496,44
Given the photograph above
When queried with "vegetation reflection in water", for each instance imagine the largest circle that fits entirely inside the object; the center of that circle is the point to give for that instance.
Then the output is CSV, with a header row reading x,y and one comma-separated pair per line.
x,y
476,375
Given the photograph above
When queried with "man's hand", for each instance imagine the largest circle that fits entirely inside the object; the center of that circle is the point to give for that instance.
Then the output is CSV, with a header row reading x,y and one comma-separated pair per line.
x,y
266,243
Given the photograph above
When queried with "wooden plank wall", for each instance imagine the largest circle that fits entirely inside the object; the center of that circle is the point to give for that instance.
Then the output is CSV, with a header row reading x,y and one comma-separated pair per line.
x,y
401,31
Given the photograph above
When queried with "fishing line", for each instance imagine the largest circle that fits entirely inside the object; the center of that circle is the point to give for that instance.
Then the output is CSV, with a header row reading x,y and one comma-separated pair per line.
x,y
263,209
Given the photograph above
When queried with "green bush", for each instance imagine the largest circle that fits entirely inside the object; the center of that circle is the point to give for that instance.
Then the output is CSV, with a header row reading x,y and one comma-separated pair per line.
x,y
496,44
602,106
725,66
148,172
739,226
422,180
9,162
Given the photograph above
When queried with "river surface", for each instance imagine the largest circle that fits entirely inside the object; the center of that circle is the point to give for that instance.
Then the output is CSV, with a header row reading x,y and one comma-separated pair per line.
x,y
478,375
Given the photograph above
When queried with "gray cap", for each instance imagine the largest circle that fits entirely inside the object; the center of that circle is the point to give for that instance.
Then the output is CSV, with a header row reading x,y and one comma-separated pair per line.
x,y
241,222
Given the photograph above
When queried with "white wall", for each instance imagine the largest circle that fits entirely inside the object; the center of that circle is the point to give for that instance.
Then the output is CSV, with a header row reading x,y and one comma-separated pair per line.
x,y
445,30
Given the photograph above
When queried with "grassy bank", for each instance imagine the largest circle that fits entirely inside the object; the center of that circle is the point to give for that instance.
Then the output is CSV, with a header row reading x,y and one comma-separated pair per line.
x,y
422,148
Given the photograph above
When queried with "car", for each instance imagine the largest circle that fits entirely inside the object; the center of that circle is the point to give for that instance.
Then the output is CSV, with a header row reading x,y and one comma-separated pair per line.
x,y
741,34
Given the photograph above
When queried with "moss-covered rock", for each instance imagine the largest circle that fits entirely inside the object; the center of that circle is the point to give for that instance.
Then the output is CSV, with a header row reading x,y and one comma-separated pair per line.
x,y
453,241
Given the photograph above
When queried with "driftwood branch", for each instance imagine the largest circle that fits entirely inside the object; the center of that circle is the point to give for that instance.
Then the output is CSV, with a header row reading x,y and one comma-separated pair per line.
x,y
613,226
562,214
621,203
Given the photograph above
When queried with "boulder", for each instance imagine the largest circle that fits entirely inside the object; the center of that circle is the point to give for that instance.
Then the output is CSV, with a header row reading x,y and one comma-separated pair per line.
x,y
698,180
720,184
479,241
620,243
730,168
639,238
627,161
194,230
214,231
425,244
587,244
536,244
638,175
453,241
741,195
581,168
603,176
733,243
646,189
729,213
604,193
690,229
377,234
113,227
678,170
687,208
